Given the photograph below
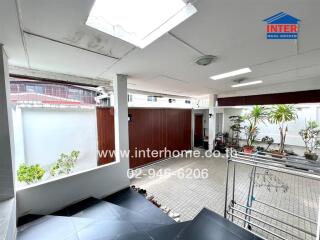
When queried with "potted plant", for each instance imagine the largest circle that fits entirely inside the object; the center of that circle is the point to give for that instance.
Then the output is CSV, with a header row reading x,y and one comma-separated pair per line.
x,y
256,116
261,150
236,130
310,136
64,164
30,174
267,140
281,115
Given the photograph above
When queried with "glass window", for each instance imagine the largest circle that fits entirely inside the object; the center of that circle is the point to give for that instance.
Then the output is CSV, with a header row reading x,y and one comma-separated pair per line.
x,y
152,99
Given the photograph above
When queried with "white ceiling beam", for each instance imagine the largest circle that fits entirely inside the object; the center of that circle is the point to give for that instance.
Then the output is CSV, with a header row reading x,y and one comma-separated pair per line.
x,y
20,71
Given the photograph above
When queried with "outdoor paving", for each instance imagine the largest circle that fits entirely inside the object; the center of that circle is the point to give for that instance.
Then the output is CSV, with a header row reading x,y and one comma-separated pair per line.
x,y
188,196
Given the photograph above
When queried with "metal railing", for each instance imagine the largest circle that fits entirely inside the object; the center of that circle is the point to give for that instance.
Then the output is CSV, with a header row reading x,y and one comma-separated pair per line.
x,y
264,218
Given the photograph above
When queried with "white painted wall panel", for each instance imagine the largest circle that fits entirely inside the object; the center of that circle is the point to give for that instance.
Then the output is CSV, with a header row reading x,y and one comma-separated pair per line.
x,y
50,132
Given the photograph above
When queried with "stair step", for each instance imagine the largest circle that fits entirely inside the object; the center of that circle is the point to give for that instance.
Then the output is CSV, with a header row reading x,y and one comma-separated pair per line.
x,y
130,199
208,225
75,228
52,227
135,236
102,210
77,207
107,230
28,218
168,232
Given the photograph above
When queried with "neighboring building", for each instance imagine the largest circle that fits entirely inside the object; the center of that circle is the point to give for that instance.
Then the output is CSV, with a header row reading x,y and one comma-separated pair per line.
x,y
26,91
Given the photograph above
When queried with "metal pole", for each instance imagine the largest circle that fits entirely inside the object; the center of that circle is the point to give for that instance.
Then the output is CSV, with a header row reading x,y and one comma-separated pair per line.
x,y
277,163
226,193
280,162
271,225
273,218
318,227
253,224
233,186
252,190
283,210
278,169
248,198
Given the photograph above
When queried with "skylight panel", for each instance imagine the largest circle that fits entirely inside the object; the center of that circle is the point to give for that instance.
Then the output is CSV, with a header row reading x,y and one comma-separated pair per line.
x,y
139,22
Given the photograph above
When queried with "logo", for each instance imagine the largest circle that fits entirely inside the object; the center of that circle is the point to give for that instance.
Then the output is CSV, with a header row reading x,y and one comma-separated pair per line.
x,y
282,26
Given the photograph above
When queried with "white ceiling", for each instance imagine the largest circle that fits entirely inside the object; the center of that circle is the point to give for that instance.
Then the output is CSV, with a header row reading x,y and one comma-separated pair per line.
x,y
230,29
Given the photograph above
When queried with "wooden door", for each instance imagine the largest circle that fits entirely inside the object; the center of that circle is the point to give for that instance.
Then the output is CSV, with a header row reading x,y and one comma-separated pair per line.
x,y
105,125
198,135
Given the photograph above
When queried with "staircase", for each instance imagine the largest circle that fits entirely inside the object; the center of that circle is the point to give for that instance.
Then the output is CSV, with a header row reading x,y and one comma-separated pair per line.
x,y
125,215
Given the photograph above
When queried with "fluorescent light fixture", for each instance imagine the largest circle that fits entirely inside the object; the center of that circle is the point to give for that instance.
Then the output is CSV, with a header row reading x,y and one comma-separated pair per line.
x,y
246,84
139,22
231,74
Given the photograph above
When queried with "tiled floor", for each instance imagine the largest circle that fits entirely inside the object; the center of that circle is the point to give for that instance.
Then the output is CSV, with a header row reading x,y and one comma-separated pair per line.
x,y
189,196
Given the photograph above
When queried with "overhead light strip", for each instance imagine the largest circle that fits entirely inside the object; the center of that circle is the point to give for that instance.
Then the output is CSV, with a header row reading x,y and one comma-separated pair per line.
x,y
247,84
231,74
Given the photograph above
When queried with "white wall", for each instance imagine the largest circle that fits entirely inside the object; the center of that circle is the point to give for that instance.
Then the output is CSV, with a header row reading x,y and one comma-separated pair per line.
x,y
54,195
228,112
42,134
305,114
18,136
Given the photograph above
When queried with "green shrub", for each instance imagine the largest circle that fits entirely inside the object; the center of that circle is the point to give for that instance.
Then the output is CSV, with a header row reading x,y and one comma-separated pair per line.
x,y
30,174
64,164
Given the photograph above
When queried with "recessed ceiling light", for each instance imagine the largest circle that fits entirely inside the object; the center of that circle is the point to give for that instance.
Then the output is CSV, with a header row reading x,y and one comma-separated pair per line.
x,y
246,84
231,74
205,60
138,22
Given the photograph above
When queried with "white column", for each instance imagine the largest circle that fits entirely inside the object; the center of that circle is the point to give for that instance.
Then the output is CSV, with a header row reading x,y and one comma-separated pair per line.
x,y
192,129
17,120
212,120
6,132
318,225
121,118
314,113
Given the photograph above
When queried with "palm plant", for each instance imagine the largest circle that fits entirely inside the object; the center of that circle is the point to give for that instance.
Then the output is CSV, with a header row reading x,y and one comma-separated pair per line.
x,y
280,115
257,115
